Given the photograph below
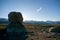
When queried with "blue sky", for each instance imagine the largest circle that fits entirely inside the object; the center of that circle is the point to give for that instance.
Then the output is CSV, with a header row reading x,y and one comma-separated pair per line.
x,y
38,10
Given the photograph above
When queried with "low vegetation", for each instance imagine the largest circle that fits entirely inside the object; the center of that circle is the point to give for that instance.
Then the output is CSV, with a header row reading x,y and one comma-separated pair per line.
x,y
36,28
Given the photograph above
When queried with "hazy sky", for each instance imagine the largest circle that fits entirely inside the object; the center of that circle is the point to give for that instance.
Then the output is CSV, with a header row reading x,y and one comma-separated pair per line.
x,y
39,10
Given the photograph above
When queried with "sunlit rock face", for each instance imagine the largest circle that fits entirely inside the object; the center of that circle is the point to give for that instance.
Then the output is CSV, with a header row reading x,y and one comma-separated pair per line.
x,y
51,29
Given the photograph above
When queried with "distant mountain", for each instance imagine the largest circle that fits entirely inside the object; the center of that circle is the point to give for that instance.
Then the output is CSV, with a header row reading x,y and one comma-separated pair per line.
x,y
53,22
5,21
42,22
35,22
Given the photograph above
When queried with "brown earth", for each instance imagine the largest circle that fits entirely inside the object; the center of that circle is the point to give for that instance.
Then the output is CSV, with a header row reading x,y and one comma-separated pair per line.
x,y
38,34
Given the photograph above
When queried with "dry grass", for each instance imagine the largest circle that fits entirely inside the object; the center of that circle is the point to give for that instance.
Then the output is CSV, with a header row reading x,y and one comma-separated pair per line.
x,y
38,31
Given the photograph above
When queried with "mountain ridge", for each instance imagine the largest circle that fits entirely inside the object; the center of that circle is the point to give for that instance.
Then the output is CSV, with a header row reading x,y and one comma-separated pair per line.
x,y
5,21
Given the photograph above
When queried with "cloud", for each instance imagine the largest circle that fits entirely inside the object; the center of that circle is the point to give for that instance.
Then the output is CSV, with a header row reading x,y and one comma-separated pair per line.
x,y
39,9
